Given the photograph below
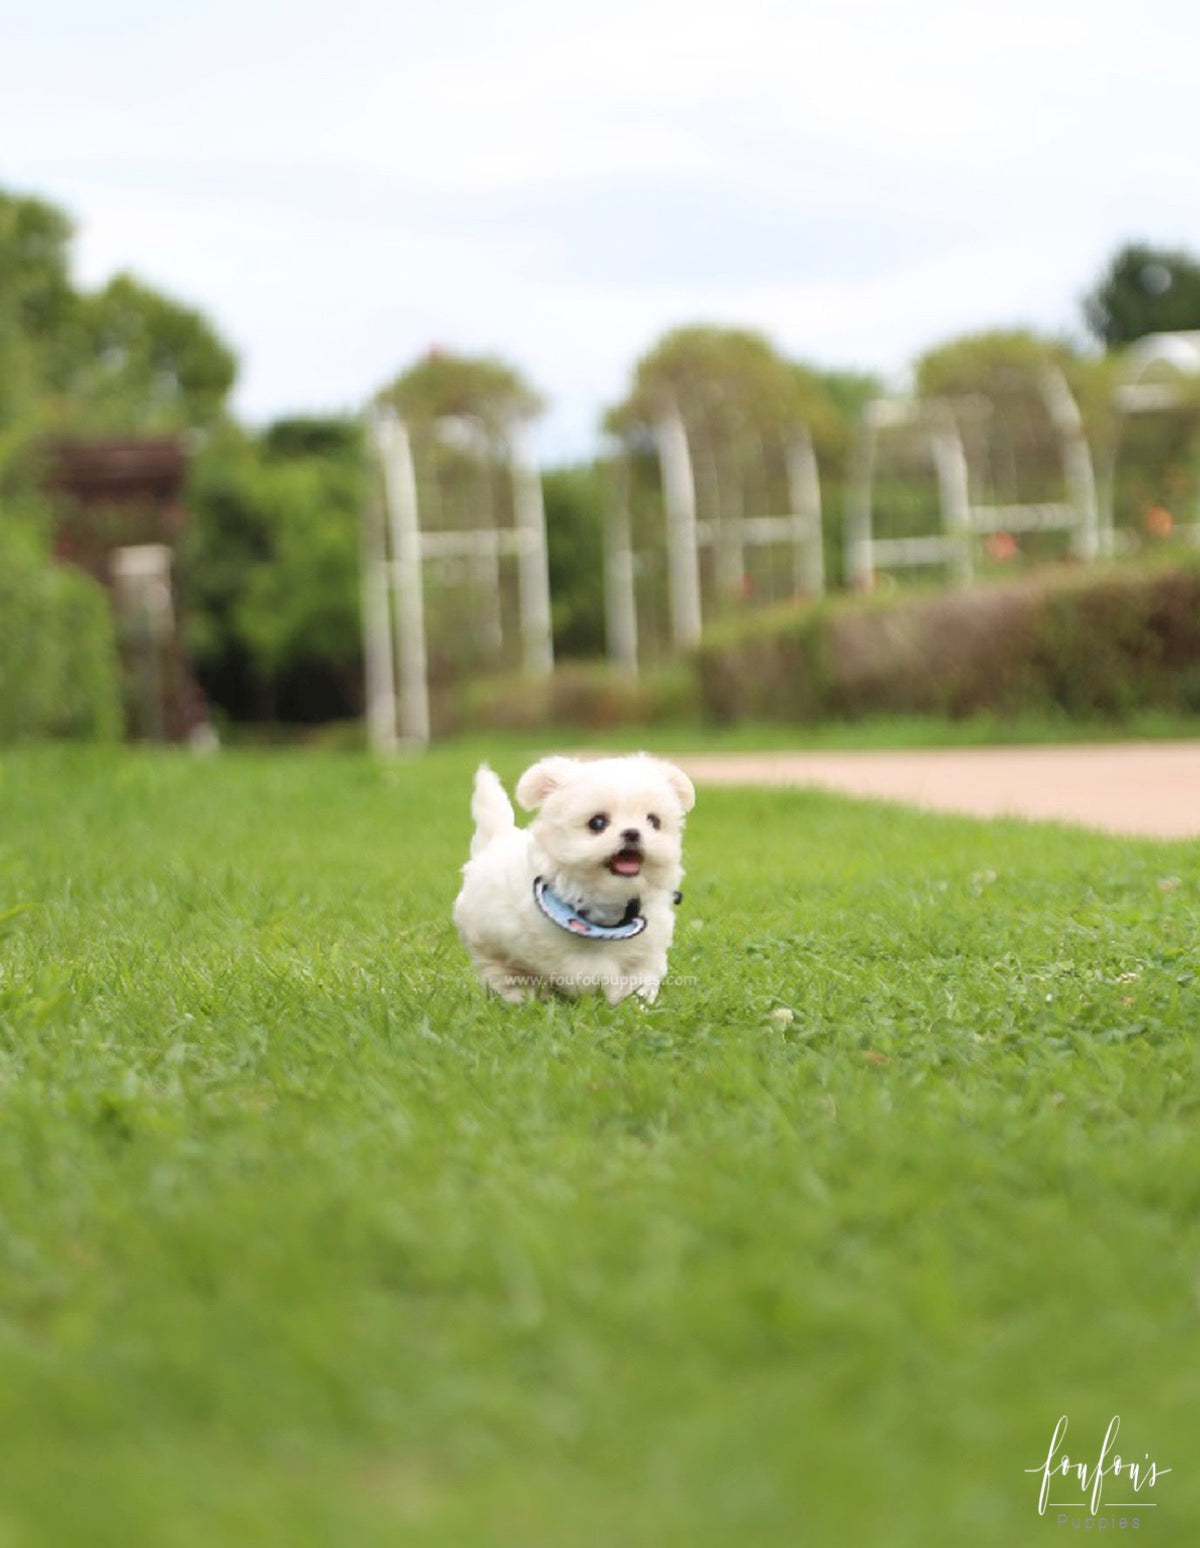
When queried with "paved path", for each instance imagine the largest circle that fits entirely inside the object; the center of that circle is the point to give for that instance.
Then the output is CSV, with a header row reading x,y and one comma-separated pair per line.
x,y
1146,789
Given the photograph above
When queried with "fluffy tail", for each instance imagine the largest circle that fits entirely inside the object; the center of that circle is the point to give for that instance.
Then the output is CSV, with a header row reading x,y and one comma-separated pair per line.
x,y
490,808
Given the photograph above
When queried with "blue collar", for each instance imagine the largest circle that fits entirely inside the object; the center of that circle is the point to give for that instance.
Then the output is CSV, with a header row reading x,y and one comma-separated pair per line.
x,y
576,922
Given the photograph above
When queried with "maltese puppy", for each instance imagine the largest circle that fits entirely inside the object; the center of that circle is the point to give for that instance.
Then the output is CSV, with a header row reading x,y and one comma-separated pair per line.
x,y
584,897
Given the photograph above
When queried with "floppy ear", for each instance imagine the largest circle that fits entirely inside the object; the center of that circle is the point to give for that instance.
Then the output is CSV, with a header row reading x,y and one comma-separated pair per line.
x,y
681,785
537,782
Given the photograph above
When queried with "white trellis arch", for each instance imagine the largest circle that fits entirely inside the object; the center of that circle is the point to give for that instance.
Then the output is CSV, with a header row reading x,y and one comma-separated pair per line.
x,y
932,425
728,532
935,424
395,550
1152,373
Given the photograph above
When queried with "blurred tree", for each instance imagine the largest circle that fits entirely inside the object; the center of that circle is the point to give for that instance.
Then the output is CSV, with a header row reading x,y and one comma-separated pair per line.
x,y
141,362
745,409
122,360
1142,290
996,363
34,260
577,501
831,404
35,287
1027,441
850,391
994,383
736,392
446,386
1007,369
36,305
272,570
727,383
305,436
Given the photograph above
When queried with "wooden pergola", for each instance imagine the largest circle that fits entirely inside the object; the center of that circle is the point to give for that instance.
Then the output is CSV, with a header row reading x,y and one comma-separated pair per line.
x,y
119,515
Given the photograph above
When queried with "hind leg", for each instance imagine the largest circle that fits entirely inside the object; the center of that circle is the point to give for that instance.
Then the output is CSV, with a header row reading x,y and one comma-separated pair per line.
x,y
505,980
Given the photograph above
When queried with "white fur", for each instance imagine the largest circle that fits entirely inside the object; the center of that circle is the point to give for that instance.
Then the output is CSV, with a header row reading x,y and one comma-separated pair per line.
x,y
517,951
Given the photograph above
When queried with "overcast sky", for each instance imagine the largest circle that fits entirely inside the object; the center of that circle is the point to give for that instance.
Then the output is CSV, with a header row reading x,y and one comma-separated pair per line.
x,y
339,187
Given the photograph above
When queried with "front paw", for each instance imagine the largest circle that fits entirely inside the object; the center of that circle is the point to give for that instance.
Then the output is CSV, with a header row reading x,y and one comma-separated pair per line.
x,y
645,990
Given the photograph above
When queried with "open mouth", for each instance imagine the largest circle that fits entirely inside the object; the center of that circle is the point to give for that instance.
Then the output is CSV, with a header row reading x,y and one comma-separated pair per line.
x,y
626,862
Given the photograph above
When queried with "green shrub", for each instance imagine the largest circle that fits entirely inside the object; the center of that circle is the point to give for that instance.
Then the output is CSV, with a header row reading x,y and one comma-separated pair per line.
x,y
585,695
1122,642
58,662
1099,642
751,668
954,654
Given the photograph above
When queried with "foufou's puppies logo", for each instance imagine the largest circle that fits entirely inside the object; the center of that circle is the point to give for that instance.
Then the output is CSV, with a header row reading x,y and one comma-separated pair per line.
x,y
1066,1479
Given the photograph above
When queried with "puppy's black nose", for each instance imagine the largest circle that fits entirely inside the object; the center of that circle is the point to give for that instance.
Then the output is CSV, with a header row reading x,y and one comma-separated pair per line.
x,y
631,835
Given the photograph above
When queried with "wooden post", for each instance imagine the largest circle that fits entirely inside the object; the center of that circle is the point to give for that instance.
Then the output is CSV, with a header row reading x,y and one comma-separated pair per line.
x,y
620,599
486,567
679,494
376,611
534,571
804,490
859,557
400,484
951,463
1077,462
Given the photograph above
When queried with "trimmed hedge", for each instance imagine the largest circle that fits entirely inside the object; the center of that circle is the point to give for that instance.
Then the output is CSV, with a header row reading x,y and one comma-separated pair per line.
x,y
1100,642
583,695
59,674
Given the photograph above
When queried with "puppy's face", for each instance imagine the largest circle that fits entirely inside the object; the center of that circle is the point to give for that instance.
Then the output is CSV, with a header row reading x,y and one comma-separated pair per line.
x,y
614,825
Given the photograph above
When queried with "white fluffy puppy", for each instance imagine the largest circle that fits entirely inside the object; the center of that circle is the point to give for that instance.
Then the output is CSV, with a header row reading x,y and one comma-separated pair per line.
x,y
584,897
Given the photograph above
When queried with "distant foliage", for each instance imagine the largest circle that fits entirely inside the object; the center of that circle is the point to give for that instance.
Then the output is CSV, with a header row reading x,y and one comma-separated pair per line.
x,y
140,362
121,360
745,408
271,570
58,662
998,364
481,389
1101,643
733,387
1144,290
577,503
270,573
124,359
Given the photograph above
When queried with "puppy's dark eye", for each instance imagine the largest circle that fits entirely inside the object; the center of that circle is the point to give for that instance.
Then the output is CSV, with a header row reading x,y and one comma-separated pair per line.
x,y
598,823
655,822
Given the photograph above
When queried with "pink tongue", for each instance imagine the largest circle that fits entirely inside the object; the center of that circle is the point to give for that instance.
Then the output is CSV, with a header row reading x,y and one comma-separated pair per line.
x,y
626,865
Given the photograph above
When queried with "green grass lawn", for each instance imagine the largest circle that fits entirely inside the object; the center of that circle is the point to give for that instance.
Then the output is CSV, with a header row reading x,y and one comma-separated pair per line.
x,y
304,1241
